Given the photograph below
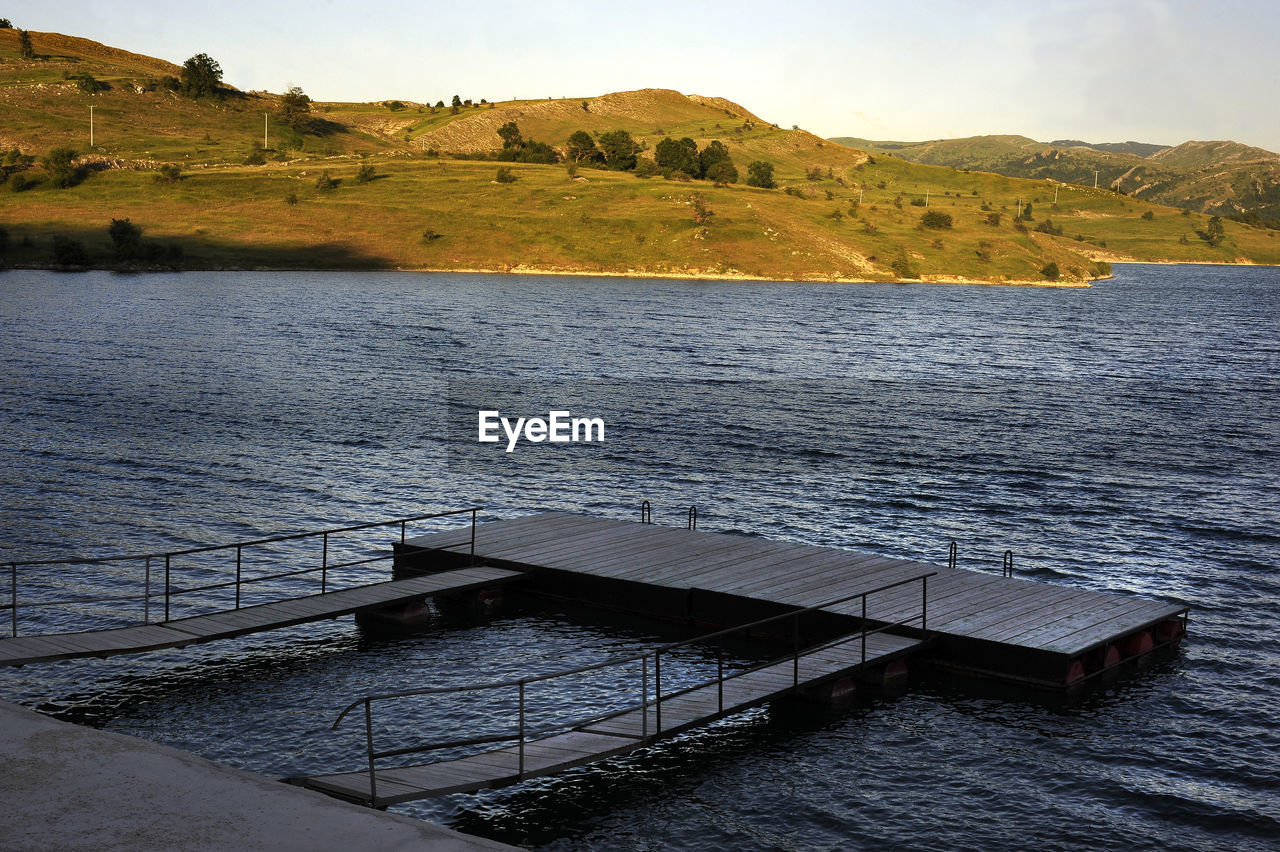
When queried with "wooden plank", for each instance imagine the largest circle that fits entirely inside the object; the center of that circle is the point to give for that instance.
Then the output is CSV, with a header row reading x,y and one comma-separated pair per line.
x,y
1083,619
1120,623
1002,606
1047,611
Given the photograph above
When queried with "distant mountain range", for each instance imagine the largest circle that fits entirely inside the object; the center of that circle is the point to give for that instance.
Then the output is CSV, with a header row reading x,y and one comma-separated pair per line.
x,y
1221,177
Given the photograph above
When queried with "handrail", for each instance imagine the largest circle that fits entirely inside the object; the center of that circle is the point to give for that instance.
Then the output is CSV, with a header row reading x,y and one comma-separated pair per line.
x,y
170,591
522,734
93,560
617,661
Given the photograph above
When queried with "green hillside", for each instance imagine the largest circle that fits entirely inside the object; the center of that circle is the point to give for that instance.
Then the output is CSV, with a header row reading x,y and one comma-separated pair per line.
x,y
396,184
1217,178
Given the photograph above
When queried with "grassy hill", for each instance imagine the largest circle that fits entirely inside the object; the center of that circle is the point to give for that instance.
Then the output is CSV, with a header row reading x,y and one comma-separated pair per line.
x,y
405,185
1217,178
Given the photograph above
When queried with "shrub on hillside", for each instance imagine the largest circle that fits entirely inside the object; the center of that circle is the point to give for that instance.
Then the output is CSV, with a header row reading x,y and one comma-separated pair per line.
x,y
505,175
126,237
935,219
325,183
69,253
1050,271
646,167
60,166
87,83
722,172
170,173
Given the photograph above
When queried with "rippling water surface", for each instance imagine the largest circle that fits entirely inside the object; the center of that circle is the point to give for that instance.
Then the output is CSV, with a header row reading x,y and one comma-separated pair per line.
x,y
1123,438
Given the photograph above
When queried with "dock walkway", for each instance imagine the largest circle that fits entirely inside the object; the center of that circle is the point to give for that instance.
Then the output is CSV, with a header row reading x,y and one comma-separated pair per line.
x,y
618,733
178,633
1010,627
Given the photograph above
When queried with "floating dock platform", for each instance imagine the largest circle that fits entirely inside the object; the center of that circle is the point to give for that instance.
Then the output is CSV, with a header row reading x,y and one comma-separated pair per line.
x,y
1008,628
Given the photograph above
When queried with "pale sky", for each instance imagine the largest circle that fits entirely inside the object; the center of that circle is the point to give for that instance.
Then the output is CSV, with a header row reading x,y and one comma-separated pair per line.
x,y
1162,71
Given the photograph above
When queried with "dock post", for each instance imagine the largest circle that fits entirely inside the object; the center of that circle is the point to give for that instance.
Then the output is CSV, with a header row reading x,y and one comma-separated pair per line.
x,y
657,693
368,738
13,597
864,628
166,587
520,771
924,602
473,536
951,555
146,592
720,675
795,650
238,576
644,698
324,565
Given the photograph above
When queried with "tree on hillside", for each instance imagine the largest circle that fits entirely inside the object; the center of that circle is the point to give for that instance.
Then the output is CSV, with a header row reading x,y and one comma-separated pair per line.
x,y
126,237
715,152
5,24
201,76
677,155
582,148
619,150
760,173
25,49
457,101
295,106
60,167
517,149
510,135
722,172
1214,231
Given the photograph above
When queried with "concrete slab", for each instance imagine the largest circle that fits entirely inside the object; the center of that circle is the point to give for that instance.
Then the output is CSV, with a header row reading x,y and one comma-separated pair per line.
x,y
72,788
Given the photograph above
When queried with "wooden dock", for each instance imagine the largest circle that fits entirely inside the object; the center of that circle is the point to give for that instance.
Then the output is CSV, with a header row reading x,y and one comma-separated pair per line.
x,y
1006,627
181,632
618,733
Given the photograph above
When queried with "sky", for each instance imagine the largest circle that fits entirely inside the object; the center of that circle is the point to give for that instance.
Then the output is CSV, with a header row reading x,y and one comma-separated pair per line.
x,y
1162,71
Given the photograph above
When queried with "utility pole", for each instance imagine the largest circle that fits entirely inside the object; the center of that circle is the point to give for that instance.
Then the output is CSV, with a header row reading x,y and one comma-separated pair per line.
x,y
90,127
1095,180
860,191
926,198
264,130
1055,193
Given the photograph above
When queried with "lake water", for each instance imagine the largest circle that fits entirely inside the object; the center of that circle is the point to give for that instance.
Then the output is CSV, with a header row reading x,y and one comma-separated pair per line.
x,y
1124,437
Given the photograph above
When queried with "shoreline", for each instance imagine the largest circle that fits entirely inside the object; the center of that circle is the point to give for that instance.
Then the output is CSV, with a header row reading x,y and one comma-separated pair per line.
x,y
684,275
688,275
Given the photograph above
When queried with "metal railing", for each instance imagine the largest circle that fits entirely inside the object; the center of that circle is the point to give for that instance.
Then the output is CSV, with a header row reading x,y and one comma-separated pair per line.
x,y
522,734
171,591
